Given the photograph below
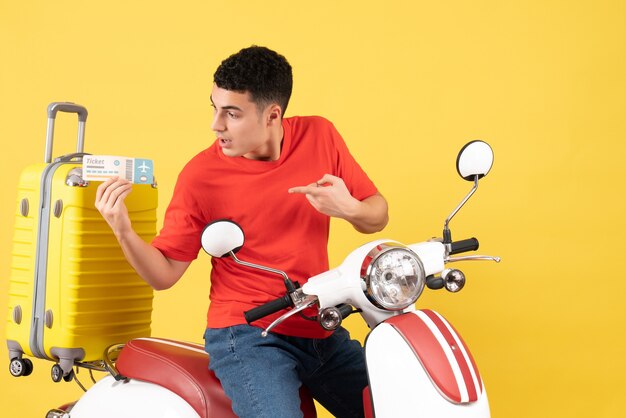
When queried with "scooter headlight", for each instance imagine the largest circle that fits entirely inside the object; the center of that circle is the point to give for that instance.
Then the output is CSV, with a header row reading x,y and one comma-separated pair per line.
x,y
393,276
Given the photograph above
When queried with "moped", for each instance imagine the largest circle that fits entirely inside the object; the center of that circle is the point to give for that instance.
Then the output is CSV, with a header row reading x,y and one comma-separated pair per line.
x,y
417,363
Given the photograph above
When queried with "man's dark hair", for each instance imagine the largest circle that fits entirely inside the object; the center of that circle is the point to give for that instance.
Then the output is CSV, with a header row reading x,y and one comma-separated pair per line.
x,y
265,74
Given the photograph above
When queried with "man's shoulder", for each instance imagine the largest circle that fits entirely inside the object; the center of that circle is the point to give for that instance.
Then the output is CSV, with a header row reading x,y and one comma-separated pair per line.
x,y
308,121
200,160
311,126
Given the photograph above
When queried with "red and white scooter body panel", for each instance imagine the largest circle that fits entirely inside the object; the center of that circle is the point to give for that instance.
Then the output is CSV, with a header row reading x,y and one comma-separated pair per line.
x,y
131,399
419,366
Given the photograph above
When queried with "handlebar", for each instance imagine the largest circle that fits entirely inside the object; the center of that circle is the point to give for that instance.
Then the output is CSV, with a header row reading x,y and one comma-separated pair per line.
x,y
268,308
465,245
345,310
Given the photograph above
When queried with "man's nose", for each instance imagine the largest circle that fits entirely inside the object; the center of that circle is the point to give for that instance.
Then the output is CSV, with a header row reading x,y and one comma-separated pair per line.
x,y
218,124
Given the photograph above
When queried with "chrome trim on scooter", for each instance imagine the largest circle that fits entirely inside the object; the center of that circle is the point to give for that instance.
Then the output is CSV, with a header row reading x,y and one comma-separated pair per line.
x,y
372,281
472,257
57,413
446,224
109,356
257,266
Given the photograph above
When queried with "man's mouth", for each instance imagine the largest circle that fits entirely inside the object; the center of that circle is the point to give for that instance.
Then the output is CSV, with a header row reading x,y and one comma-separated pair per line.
x,y
224,142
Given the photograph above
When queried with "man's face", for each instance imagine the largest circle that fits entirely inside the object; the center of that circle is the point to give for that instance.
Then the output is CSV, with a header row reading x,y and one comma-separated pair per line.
x,y
240,128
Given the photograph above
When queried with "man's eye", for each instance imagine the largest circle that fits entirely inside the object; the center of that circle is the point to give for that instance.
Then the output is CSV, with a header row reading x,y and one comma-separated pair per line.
x,y
232,115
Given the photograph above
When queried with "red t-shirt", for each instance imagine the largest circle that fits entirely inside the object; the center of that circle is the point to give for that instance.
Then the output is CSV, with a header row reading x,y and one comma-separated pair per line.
x,y
282,230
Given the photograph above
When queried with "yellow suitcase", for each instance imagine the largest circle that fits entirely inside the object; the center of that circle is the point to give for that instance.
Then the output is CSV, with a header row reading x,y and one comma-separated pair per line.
x,y
72,293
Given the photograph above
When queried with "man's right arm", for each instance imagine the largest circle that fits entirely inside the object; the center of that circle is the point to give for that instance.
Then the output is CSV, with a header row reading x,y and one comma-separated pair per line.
x,y
156,269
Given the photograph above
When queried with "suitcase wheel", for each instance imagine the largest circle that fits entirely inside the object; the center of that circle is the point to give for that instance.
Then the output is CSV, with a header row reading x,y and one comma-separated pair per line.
x,y
57,374
69,377
20,367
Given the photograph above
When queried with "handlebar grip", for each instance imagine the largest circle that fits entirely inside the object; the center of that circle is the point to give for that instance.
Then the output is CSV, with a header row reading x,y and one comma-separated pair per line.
x,y
268,308
465,245
345,310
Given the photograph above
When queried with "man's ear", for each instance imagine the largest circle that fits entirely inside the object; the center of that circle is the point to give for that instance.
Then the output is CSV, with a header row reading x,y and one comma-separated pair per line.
x,y
274,114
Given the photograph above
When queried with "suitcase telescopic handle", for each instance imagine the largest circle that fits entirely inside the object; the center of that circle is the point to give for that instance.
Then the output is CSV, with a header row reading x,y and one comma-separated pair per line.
x,y
68,107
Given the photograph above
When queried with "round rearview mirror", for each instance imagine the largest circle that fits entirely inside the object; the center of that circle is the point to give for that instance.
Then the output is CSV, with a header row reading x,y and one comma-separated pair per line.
x,y
475,159
221,237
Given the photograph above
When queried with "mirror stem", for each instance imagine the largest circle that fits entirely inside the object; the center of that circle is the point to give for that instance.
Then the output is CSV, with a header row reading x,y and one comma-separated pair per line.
x,y
447,235
288,282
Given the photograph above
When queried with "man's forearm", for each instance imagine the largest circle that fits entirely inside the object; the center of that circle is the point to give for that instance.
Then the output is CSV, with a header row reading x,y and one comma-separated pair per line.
x,y
370,215
157,270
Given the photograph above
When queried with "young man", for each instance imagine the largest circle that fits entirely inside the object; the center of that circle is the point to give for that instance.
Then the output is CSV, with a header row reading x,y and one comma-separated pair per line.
x,y
281,179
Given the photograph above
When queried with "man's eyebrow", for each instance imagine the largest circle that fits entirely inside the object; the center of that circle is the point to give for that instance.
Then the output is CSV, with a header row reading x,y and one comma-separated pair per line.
x,y
231,107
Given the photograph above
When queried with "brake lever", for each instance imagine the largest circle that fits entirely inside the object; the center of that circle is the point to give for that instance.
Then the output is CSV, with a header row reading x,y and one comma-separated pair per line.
x,y
472,257
307,302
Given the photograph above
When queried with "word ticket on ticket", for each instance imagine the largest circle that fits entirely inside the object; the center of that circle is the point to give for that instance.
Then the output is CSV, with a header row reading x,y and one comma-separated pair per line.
x,y
103,167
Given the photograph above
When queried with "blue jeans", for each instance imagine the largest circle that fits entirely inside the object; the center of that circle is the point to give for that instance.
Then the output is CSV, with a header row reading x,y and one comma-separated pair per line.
x,y
262,376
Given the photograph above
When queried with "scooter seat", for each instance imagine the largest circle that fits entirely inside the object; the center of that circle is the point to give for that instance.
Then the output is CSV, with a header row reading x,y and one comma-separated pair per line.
x,y
180,367
183,368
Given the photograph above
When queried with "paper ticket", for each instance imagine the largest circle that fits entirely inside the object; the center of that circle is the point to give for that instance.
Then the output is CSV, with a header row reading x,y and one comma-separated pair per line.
x,y
103,167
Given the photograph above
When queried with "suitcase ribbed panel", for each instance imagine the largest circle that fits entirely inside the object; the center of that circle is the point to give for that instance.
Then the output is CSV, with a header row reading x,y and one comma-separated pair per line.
x,y
21,282
100,300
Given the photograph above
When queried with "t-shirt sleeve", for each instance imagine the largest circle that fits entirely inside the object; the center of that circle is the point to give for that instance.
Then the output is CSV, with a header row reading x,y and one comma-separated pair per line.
x,y
179,239
347,168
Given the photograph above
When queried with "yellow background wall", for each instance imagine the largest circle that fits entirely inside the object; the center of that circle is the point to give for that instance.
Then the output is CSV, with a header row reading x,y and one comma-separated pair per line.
x,y
407,83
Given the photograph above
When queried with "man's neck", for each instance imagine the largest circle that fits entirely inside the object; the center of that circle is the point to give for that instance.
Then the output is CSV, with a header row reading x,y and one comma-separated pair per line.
x,y
273,147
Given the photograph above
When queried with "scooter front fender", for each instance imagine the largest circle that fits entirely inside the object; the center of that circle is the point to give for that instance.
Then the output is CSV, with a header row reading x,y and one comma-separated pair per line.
x,y
418,365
